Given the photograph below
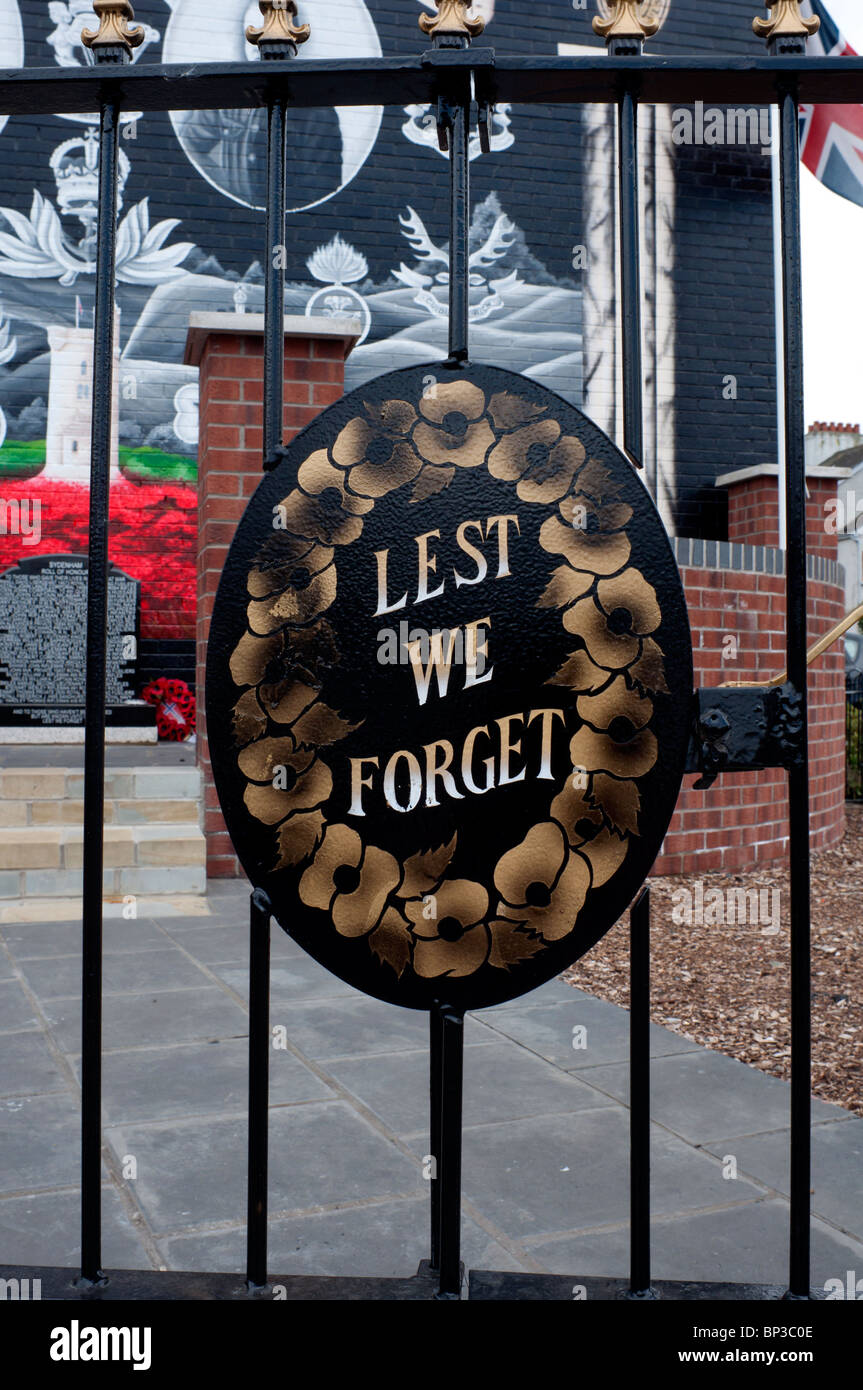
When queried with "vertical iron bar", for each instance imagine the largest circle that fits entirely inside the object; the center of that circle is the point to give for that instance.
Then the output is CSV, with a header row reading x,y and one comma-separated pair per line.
x,y
435,1104
639,1091
459,288
798,775
449,1168
630,281
259,1087
94,738
274,306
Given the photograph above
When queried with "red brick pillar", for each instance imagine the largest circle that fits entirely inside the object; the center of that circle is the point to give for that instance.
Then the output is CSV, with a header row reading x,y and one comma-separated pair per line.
x,y
753,507
228,349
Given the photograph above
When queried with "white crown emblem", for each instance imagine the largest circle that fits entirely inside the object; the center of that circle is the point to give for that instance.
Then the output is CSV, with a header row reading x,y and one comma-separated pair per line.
x,y
76,170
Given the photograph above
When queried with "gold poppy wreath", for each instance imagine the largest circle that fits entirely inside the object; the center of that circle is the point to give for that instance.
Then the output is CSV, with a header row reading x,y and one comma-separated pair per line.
x,y
413,915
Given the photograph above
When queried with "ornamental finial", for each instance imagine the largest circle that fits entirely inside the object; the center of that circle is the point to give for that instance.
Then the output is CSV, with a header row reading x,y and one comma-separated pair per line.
x,y
277,28
114,32
785,22
625,22
451,19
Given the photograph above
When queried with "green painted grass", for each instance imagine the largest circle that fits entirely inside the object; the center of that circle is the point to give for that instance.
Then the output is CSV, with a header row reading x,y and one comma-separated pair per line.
x,y
153,465
22,460
142,464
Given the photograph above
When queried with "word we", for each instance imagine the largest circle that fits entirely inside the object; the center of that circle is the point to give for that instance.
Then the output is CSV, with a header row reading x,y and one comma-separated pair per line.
x,y
720,907
441,651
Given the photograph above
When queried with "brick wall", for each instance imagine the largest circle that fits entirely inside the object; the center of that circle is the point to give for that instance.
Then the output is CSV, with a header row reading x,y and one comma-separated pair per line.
x,y
753,508
230,357
742,820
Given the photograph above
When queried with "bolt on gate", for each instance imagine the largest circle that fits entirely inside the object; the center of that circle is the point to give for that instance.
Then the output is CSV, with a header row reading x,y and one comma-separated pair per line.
x,y
571,876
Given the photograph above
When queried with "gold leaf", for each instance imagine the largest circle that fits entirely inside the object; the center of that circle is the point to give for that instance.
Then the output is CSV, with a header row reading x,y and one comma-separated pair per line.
x,y
597,482
250,722
321,726
424,871
391,941
430,482
565,586
507,410
509,945
298,839
579,673
619,802
649,669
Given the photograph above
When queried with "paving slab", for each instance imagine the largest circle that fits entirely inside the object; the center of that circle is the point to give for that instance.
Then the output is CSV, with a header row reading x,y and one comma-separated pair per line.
x,y
158,1083
291,979
28,1066
742,1244
221,943
703,1095
129,1020
59,977
502,1082
16,1010
27,940
549,1031
385,1239
40,1140
837,1168
320,1154
559,1172
357,1026
42,1228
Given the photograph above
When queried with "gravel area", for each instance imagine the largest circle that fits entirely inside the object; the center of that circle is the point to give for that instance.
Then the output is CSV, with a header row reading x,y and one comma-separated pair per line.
x,y
724,982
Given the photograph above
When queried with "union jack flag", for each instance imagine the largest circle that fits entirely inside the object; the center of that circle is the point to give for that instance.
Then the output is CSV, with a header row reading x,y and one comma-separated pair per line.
x,y
831,137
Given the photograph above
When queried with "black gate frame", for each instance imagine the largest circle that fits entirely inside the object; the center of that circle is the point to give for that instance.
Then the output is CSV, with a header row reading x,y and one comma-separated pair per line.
x,y
732,729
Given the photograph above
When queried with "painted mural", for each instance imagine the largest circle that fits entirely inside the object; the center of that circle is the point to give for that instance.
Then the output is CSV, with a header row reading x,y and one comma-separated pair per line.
x,y
367,236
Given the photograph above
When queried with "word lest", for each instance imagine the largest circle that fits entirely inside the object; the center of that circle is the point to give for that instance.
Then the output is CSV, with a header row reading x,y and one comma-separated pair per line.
x,y
409,778
427,561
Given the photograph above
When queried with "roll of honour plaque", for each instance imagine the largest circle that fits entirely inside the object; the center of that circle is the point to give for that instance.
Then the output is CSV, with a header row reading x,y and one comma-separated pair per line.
x,y
446,671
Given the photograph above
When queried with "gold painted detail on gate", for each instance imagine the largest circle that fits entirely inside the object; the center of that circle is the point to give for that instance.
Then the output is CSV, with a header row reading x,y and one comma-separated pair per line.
x,y
284,730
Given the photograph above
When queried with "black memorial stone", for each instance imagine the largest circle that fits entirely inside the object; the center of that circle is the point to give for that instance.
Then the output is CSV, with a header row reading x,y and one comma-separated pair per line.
x,y
43,634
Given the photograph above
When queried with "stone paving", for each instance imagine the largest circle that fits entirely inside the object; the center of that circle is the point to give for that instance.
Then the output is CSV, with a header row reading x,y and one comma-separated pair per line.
x,y
545,1139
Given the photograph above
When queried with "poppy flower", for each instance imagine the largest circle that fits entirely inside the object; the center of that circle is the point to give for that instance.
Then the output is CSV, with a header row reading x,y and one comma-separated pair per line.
x,y
453,433
376,450
321,508
456,942
539,460
614,625
630,758
282,779
583,825
350,881
303,600
598,553
542,885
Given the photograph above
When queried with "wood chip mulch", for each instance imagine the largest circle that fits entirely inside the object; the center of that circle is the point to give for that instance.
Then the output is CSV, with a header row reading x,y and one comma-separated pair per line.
x,y
727,986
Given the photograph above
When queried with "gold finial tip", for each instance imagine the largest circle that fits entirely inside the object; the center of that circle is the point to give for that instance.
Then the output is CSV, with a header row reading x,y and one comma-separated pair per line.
x,y
278,26
786,21
451,19
114,29
625,22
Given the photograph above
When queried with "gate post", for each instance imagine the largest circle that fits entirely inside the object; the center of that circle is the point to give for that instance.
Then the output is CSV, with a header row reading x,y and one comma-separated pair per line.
x,y
229,350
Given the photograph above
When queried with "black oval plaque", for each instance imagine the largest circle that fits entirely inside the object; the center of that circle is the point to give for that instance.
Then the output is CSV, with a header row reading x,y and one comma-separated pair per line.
x,y
447,682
